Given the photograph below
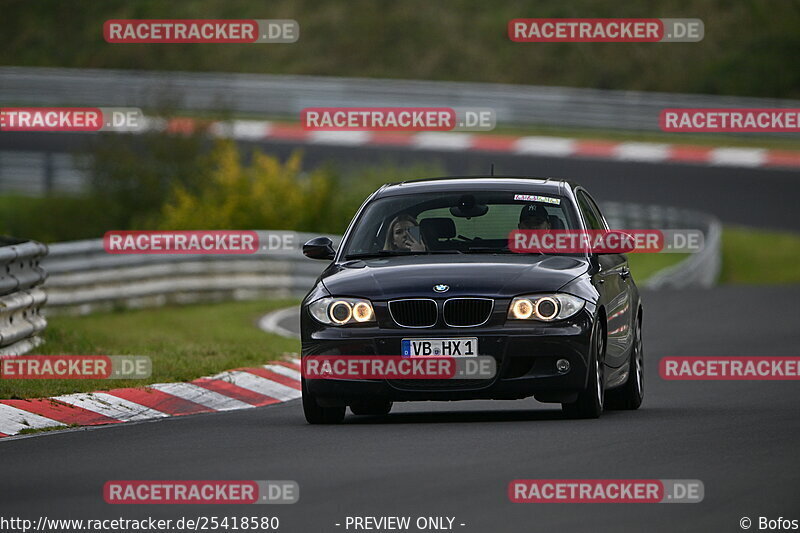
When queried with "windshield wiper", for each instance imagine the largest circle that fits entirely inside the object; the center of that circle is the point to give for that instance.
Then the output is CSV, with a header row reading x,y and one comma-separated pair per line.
x,y
490,250
379,253
397,253
434,252
487,250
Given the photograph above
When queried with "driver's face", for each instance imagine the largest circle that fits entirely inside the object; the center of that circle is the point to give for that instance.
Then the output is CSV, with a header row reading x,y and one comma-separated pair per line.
x,y
401,235
534,224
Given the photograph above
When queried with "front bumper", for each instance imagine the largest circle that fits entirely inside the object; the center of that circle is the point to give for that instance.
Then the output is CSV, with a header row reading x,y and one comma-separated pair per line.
x,y
525,353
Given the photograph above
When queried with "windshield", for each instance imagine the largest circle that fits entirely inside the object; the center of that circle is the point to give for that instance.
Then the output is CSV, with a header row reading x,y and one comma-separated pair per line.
x,y
455,222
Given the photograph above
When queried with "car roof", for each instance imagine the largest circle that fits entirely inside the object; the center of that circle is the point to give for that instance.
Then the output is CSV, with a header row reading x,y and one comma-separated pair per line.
x,y
476,183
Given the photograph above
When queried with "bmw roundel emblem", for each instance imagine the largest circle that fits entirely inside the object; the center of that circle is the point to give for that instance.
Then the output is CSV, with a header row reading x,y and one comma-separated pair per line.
x,y
441,288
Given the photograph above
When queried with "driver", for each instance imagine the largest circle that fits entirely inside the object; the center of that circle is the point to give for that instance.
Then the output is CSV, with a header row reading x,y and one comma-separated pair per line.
x,y
404,234
533,217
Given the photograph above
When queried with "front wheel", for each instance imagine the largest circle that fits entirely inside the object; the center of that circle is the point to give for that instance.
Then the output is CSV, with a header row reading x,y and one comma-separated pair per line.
x,y
315,413
629,396
590,402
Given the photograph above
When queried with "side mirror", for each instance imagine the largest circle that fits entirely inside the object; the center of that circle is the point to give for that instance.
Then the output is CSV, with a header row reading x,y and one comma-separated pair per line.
x,y
319,248
615,242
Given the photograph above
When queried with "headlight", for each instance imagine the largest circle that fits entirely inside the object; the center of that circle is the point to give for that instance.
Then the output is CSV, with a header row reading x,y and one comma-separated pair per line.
x,y
342,311
544,307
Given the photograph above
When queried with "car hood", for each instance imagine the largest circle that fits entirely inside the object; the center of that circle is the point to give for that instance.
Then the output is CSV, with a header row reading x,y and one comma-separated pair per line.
x,y
466,275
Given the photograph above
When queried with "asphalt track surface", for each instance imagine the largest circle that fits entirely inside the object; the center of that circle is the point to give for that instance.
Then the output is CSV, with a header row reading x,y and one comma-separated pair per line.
x,y
456,459
760,197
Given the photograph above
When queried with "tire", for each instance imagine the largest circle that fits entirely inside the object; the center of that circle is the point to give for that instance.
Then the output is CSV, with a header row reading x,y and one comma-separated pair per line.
x,y
590,401
629,396
371,407
315,413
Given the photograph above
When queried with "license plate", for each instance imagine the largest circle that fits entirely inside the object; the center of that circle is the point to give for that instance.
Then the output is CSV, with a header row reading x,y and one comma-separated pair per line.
x,y
461,347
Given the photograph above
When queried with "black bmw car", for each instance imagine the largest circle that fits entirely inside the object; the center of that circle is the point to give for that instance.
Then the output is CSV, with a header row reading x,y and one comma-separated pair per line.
x,y
425,268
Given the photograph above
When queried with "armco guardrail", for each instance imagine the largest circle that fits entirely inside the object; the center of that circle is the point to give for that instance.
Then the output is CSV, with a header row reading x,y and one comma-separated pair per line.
x,y
20,297
84,278
286,96
700,269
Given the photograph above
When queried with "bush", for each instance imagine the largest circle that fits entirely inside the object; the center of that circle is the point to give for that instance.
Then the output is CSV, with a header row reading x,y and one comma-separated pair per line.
x,y
265,194
269,194
53,218
132,176
159,181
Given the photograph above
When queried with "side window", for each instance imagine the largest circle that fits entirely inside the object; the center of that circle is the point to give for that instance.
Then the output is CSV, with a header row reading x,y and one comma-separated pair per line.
x,y
596,209
590,212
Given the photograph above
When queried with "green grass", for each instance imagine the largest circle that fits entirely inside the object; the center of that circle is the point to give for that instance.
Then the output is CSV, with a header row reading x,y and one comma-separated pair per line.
x,y
645,265
184,342
29,431
749,256
759,257
52,218
187,342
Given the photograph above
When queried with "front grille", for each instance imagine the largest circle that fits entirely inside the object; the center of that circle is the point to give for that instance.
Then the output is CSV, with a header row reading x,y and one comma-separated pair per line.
x,y
418,313
463,312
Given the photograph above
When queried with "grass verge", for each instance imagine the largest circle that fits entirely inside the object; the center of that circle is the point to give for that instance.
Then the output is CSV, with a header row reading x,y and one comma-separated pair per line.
x,y
30,431
758,257
749,256
185,343
645,265
189,342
